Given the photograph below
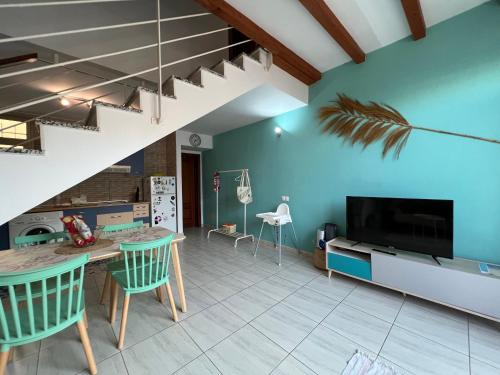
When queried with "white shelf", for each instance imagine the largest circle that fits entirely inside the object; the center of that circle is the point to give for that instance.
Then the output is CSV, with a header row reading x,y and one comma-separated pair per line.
x,y
457,283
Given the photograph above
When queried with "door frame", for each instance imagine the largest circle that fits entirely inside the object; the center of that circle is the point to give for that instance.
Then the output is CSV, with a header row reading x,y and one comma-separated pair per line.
x,y
184,151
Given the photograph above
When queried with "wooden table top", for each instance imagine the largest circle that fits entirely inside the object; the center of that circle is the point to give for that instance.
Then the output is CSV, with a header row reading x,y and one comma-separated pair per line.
x,y
42,256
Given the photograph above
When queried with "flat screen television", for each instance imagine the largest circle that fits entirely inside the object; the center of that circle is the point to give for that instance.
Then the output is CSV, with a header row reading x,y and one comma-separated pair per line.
x,y
419,225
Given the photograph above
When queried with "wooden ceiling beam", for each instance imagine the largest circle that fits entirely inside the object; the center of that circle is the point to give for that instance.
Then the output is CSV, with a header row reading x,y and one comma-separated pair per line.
x,y
282,56
415,17
326,18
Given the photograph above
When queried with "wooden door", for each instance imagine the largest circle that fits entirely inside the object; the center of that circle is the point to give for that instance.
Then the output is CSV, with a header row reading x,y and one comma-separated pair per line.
x,y
191,190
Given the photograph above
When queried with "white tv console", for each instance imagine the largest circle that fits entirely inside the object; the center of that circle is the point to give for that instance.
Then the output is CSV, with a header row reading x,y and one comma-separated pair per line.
x,y
457,283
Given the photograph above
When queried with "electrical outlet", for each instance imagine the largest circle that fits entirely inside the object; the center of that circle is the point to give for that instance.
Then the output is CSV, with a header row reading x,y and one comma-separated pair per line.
x,y
285,198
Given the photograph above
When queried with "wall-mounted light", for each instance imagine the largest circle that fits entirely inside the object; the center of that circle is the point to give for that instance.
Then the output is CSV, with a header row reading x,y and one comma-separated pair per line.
x,y
89,103
65,102
278,131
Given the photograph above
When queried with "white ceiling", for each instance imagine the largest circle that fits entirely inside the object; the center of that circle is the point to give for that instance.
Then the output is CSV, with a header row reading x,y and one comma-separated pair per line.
x,y
259,104
372,23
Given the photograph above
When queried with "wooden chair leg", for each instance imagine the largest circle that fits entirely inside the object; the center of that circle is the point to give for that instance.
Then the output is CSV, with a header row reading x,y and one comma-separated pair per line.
x,y
171,301
85,319
113,301
84,337
4,357
123,325
106,288
159,294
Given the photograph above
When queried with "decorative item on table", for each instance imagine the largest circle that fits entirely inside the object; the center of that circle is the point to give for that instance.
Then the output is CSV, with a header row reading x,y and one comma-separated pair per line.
x,y
229,228
79,230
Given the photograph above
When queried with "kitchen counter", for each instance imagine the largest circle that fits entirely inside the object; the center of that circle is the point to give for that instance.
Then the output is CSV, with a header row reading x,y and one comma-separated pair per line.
x,y
69,206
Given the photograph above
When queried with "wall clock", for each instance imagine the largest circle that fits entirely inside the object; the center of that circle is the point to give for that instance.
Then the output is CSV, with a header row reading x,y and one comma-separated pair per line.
x,y
195,140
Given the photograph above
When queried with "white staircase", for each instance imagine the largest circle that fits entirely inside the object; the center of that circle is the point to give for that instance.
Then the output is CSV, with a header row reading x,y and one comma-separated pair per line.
x,y
72,153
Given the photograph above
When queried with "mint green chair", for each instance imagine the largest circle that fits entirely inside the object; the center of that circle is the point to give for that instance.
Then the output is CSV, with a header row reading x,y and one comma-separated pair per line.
x,y
27,316
116,265
37,239
122,227
146,268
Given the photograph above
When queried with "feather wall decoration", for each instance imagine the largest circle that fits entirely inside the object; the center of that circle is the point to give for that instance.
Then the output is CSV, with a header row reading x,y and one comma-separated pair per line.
x,y
368,123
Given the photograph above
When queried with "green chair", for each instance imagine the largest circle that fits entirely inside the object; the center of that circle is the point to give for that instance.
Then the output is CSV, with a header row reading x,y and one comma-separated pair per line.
x,y
26,316
118,264
146,268
37,239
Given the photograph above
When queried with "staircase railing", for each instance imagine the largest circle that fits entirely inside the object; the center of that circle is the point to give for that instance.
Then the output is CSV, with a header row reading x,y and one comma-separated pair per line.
x,y
106,81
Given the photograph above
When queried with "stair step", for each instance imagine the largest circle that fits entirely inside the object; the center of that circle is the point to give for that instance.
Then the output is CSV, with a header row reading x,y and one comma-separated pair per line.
x,y
151,91
239,60
116,106
169,86
219,67
196,76
260,55
27,151
67,124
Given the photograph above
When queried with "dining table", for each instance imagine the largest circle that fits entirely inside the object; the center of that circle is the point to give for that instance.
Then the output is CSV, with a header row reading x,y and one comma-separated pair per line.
x,y
44,256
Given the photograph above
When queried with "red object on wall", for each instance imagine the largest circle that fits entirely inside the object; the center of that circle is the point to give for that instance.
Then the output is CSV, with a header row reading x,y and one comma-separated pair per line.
x,y
216,181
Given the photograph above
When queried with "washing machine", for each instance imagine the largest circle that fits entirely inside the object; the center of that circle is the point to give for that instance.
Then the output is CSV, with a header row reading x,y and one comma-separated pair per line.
x,y
37,223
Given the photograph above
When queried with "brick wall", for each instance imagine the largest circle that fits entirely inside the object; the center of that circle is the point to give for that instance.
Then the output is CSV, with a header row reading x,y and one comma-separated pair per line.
x,y
159,158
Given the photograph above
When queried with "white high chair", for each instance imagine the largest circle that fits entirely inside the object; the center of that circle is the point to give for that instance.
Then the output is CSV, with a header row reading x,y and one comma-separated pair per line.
x,y
276,220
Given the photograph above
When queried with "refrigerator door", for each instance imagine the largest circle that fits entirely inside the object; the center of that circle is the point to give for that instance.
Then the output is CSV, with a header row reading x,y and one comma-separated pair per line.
x,y
163,211
158,185
170,185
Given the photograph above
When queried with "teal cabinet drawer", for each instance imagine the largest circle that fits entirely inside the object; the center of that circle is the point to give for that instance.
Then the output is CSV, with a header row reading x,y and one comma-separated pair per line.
x,y
352,266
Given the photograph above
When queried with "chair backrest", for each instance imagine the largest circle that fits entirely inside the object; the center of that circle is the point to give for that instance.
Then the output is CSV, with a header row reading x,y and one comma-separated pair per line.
x,y
146,263
37,239
283,209
40,303
122,227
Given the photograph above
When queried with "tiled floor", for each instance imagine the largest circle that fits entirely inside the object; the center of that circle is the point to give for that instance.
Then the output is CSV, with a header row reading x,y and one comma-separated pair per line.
x,y
248,316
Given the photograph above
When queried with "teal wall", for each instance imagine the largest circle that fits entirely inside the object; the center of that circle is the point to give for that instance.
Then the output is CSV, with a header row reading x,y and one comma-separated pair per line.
x,y
450,80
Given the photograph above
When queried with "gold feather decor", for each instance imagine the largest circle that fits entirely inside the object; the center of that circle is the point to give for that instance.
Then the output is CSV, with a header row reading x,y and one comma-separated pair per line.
x,y
368,123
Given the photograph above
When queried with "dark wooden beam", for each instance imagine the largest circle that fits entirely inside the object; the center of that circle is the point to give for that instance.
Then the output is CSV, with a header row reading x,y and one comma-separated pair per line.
x,y
325,16
415,18
282,56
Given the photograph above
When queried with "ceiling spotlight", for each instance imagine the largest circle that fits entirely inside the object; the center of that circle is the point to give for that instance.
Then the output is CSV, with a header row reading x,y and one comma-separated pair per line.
x,y
278,131
65,102
32,60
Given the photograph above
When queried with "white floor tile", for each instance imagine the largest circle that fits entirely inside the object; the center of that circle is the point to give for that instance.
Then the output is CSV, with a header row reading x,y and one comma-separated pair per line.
x,y
422,356
285,326
200,366
310,303
362,328
380,302
291,366
485,341
212,325
435,322
337,287
326,352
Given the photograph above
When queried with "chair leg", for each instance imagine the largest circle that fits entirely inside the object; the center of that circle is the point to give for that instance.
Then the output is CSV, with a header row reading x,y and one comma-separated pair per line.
x,y
4,358
113,301
123,325
106,288
84,337
85,319
171,301
159,294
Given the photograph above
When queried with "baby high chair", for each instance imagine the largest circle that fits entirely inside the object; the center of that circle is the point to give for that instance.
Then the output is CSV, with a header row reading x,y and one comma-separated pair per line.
x,y
276,220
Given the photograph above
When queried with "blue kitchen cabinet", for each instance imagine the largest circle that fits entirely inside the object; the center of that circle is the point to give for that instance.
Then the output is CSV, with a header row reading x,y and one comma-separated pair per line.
x,y
90,213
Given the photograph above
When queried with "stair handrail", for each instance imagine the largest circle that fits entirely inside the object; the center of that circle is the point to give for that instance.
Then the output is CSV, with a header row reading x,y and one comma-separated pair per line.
x,y
96,85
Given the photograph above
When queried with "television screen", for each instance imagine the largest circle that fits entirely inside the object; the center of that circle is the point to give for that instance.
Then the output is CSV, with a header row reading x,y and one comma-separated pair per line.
x,y
419,225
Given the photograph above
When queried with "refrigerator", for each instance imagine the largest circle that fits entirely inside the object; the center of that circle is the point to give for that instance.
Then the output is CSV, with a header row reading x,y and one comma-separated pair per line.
x,y
163,202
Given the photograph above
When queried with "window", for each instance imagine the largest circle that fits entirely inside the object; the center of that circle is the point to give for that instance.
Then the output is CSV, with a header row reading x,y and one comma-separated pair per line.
x,y
16,132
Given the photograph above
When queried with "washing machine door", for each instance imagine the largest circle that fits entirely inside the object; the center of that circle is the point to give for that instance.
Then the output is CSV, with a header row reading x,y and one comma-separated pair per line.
x,y
37,229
